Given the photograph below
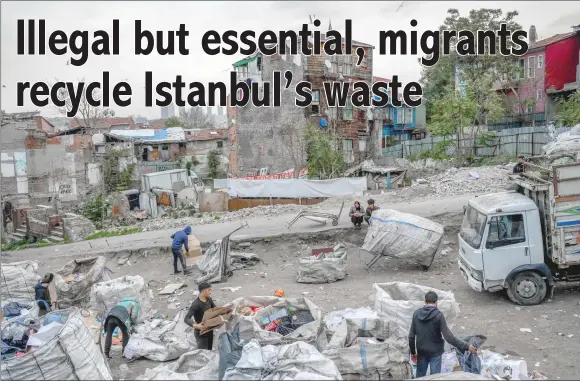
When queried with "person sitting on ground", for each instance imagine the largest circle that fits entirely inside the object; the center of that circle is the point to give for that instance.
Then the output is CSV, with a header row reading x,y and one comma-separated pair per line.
x,y
519,167
370,209
429,328
194,316
180,238
356,215
43,294
124,316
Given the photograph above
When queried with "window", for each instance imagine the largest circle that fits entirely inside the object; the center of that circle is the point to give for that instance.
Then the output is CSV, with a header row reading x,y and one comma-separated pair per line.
x,y
347,110
540,62
520,73
539,94
220,144
530,109
505,231
333,113
472,227
347,151
315,102
408,115
347,65
334,64
400,116
531,67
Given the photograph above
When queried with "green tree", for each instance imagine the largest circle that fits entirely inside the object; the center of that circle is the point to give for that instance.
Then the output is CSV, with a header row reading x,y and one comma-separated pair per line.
x,y
324,160
213,163
173,122
568,110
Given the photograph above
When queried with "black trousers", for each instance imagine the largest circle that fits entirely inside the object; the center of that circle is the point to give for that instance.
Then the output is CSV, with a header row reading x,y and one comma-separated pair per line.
x,y
110,325
204,341
356,220
178,256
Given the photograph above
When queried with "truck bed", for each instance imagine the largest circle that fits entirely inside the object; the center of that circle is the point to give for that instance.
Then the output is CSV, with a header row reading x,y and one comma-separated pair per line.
x,y
557,194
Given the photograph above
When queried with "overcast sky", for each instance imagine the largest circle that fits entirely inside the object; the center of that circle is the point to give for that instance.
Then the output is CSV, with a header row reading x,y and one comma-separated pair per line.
x,y
549,17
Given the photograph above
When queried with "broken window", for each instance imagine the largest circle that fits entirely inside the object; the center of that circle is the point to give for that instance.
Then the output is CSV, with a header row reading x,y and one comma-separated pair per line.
x,y
347,65
315,102
347,111
348,151
220,144
505,231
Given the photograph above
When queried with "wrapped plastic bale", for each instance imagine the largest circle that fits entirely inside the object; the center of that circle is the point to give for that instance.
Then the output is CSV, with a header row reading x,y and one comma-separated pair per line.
x,y
323,268
274,320
397,301
161,340
64,350
296,361
369,349
106,295
17,282
73,282
195,365
403,236
565,144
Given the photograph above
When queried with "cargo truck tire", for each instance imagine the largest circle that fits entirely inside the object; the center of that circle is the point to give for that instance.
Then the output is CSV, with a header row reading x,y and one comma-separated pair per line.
x,y
527,289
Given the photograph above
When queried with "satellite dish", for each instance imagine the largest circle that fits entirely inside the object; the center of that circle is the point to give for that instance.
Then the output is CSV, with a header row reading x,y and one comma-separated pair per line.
x,y
327,64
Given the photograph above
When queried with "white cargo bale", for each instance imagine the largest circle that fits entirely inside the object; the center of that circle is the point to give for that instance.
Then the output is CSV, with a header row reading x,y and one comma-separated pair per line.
x,y
403,236
73,282
106,295
69,355
18,281
199,364
397,301
324,268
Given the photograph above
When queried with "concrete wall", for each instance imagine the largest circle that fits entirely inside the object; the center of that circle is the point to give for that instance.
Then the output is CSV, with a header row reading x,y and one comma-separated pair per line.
x,y
201,149
213,202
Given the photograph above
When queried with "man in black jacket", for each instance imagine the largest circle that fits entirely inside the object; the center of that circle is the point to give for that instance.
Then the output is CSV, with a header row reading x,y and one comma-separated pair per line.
x,y
519,167
429,328
195,314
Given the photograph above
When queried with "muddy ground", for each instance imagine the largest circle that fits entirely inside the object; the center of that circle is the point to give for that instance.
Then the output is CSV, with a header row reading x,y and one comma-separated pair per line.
x,y
492,315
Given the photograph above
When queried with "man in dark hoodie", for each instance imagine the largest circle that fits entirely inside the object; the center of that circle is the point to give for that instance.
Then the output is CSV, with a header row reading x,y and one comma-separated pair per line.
x,y
180,238
430,328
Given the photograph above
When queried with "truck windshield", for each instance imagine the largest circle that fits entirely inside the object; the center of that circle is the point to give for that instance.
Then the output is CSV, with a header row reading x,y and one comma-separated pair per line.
x,y
472,227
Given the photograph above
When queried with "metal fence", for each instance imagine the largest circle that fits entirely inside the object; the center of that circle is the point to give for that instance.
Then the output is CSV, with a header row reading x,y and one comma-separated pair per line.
x,y
526,141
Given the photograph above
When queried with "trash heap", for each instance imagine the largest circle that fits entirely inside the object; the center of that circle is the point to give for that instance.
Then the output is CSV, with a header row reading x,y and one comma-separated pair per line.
x,y
74,281
324,267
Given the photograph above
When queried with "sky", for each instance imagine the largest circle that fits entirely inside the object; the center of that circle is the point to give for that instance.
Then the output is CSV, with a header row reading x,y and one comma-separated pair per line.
x,y
368,19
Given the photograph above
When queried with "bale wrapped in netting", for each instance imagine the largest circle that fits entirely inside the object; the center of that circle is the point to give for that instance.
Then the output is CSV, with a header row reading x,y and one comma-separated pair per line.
x,y
274,320
403,236
323,268
161,340
63,350
198,364
18,281
370,349
397,301
106,295
295,361
73,282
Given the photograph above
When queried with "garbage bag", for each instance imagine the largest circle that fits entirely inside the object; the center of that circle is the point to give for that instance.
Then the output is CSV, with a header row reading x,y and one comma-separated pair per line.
x,y
106,295
230,350
370,348
73,282
17,282
69,355
470,362
324,268
295,361
497,366
397,301
250,327
161,340
403,236
198,364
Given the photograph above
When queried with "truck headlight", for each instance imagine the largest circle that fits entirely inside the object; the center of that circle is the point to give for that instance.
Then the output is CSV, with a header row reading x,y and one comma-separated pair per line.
x,y
477,275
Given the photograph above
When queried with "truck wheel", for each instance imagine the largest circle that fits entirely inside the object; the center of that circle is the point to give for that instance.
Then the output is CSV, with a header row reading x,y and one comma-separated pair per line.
x,y
527,289
334,222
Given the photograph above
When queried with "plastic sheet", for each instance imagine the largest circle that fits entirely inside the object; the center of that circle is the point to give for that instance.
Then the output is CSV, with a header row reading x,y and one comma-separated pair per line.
x,y
397,301
70,355
106,295
198,364
470,362
230,350
73,282
17,282
324,268
215,263
296,361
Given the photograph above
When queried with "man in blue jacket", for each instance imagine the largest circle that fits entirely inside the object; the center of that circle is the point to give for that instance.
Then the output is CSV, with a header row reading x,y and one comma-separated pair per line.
x,y
180,238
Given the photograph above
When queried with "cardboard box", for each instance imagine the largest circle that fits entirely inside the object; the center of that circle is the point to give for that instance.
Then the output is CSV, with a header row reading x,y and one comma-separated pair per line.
x,y
194,247
215,318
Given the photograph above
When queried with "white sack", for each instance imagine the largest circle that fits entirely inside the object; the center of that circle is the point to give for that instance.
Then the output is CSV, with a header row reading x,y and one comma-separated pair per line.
x,y
70,355
199,364
215,263
565,143
106,295
403,236
73,282
397,301
335,318
296,361
18,281
161,340
248,327
324,268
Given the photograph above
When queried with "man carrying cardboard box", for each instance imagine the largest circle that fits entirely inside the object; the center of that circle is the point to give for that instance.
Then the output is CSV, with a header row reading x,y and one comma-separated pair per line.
x,y
180,239
198,308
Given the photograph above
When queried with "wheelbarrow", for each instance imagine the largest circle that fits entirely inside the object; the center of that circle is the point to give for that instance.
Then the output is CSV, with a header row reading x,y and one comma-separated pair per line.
x,y
319,217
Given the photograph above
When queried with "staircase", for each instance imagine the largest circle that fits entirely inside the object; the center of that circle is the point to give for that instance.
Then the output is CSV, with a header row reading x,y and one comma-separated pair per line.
x,y
20,234
56,235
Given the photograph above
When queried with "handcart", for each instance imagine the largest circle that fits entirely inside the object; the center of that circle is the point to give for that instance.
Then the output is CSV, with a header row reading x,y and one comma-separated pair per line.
x,y
319,217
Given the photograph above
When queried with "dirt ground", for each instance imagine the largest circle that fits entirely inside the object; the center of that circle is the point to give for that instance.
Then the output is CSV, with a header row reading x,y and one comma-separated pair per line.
x,y
547,349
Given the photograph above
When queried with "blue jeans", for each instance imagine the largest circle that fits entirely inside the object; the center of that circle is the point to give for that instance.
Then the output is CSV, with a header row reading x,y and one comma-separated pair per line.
x,y
434,363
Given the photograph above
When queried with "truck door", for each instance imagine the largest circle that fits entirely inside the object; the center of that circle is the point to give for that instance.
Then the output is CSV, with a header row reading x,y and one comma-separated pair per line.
x,y
506,247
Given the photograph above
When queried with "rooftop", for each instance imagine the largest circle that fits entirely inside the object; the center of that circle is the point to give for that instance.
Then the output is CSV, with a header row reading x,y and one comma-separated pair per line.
x,y
551,40
508,202
201,135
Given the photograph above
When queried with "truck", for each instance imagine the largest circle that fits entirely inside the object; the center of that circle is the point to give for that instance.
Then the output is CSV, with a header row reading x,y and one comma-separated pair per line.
x,y
525,240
